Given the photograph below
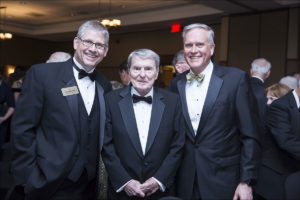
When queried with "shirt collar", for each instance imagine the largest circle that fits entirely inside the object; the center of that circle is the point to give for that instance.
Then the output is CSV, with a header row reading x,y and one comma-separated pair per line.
x,y
133,91
296,98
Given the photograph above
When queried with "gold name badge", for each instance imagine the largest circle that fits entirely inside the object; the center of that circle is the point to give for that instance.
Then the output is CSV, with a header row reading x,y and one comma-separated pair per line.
x,y
69,91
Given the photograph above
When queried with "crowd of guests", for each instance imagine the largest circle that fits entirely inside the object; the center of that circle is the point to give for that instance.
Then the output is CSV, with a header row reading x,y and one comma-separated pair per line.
x,y
216,133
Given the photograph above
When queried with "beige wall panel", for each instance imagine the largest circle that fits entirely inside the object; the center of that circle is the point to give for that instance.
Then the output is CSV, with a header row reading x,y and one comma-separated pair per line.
x,y
273,42
243,41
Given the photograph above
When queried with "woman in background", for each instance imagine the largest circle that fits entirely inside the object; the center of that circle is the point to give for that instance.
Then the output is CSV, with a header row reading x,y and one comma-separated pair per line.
x,y
276,91
7,105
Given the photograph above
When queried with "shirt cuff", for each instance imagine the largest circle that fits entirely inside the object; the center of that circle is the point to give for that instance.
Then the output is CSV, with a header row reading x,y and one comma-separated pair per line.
x,y
122,188
161,186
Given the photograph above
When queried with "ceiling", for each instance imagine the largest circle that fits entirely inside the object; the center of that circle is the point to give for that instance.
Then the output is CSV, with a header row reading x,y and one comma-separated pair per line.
x,y
57,20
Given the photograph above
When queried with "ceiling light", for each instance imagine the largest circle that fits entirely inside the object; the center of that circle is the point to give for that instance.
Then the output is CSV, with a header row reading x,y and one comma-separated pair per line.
x,y
3,34
110,22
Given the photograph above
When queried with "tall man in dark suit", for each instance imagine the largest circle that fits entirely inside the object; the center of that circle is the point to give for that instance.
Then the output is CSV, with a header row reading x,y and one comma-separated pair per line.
x,y
144,133
260,71
222,150
282,156
58,125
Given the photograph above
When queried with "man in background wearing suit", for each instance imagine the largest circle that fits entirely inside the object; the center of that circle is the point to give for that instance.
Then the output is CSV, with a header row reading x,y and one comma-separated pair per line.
x,y
260,71
221,154
282,158
58,125
144,133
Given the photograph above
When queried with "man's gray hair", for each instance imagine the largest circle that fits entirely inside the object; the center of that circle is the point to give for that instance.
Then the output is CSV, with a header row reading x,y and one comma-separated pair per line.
x,y
144,54
179,56
260,66
93,25
211,33
289,81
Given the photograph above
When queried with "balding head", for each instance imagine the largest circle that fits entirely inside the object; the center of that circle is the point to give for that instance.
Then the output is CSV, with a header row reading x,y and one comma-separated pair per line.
x,y
59,57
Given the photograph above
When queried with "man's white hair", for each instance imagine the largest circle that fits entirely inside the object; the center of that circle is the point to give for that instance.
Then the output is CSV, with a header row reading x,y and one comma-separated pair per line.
x,y
290,81
260,66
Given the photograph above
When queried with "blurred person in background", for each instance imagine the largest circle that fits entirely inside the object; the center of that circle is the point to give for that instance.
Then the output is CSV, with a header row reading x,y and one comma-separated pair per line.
x,y
59,56
180,63
275,91
290,81
260,71
7,107
281,146
15,80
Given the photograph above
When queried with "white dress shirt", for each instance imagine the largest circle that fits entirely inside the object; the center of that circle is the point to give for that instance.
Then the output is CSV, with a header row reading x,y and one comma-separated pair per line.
x,y
142,112
86,87
196,94
296,98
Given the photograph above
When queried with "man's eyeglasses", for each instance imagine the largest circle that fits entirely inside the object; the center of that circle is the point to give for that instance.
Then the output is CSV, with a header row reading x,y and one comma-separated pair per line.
x,y
89,43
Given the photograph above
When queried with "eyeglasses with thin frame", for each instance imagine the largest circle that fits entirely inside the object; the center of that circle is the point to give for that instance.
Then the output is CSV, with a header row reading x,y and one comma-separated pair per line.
x,y
89,43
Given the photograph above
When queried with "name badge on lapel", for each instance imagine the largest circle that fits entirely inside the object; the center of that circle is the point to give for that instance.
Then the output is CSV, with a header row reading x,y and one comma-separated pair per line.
x,y
69,91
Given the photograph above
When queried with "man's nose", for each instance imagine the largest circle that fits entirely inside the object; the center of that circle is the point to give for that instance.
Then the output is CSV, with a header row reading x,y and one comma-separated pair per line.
x,y
194,48
142,73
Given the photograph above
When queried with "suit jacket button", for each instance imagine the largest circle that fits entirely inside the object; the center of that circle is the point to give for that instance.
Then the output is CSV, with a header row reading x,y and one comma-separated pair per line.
x,y
146,164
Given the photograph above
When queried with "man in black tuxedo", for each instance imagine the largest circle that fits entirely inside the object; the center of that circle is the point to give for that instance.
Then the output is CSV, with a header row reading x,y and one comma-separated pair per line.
x,y
144,133
282,155
260,71
222,150
58,125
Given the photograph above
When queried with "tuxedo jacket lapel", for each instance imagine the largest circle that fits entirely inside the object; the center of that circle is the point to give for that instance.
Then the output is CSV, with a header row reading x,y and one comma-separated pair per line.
x,y
127,112
100,92
294,110
156,115
214,87
69,81
181,89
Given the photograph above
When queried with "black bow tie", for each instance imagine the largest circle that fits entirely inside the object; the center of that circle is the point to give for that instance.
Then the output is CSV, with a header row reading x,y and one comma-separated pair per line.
x,y
83,74
137,98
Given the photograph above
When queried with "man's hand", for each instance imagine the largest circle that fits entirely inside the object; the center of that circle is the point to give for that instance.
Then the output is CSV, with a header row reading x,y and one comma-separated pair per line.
x,y
133,188
150,186
243,192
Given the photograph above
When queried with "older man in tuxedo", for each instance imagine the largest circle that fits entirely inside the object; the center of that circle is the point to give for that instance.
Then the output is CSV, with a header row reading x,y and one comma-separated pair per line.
x,y
260,71
58,125
221,154
144,133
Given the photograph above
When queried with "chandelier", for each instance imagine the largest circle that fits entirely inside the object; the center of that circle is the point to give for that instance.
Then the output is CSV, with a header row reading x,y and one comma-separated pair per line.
x,y
110,22
4,35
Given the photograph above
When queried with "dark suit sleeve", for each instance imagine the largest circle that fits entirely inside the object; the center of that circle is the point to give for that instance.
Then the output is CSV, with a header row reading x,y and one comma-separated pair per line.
x,y
251,149
279,123
173,85
167,170
24,122
117,173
